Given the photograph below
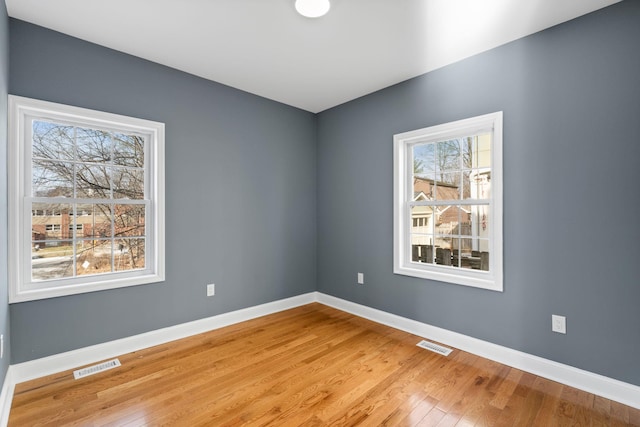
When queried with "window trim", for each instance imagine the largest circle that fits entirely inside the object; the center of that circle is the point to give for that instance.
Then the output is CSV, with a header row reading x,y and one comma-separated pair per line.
x,y
403,190
21,288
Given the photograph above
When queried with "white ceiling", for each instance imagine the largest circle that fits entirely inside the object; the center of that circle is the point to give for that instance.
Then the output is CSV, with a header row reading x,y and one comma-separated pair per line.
x,y
266,48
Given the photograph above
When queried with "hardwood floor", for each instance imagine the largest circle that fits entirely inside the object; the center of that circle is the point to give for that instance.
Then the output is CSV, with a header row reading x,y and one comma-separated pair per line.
x,y
309,366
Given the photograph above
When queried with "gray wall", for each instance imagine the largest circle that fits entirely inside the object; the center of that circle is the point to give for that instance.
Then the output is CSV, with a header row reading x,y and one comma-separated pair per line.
x,y
571,102
240,193
4,84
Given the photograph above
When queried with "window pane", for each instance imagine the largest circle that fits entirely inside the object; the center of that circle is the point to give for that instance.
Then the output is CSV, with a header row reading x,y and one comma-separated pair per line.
x,y
444,246
128,183
128,150
465,252
424,159
75,225
94,257
129,254
93,145
480,221
468,148
480,255
51,179
483,151
448,219
423,187
129,220
448,155
448,186
455,252
92,182
95,220
422,248
49,221
465,227
482,179
421,220
476,184
483,245
52,141
51,259
467,183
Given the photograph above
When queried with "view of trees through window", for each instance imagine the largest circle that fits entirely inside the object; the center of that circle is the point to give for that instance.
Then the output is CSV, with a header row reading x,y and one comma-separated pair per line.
x,y
451,199
88,205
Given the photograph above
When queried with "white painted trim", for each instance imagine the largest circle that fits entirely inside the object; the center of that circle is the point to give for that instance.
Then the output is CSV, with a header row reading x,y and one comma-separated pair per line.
x,y
84,356
6,397
600,385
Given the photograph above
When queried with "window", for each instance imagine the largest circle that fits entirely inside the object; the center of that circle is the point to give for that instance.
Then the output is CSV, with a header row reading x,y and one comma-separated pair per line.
x,y
448,202
98,177
78,227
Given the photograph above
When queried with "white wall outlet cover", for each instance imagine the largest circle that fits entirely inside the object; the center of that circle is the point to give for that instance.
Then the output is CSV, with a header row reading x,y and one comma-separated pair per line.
x,y
361,278
558,324
211,290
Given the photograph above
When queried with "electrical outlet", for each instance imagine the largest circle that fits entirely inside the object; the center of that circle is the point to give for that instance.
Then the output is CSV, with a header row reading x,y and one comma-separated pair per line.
x,y
558,324
360,278
211,290
1,346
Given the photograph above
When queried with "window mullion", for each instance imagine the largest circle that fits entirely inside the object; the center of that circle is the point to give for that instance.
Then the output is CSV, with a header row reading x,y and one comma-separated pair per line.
x,y
74,242
113,235
66,200
466,202
75,196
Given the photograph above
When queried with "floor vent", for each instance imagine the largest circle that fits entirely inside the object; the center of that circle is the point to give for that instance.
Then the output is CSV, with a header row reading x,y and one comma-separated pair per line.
x,y
435,347
105,366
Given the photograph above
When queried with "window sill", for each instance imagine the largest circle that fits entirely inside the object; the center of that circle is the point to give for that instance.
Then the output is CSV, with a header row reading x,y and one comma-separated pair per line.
x,y
475,279
38,291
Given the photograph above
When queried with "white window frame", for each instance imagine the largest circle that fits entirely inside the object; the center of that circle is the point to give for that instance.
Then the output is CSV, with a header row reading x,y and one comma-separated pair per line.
x,y
403,194
21,113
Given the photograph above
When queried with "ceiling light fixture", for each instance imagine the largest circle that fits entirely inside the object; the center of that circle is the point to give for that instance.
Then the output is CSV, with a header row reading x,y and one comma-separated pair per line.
x,y
312,8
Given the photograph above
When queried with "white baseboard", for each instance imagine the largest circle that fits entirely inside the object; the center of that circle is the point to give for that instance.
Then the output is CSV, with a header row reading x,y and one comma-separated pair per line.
x,y
6,396
600,385
609,388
